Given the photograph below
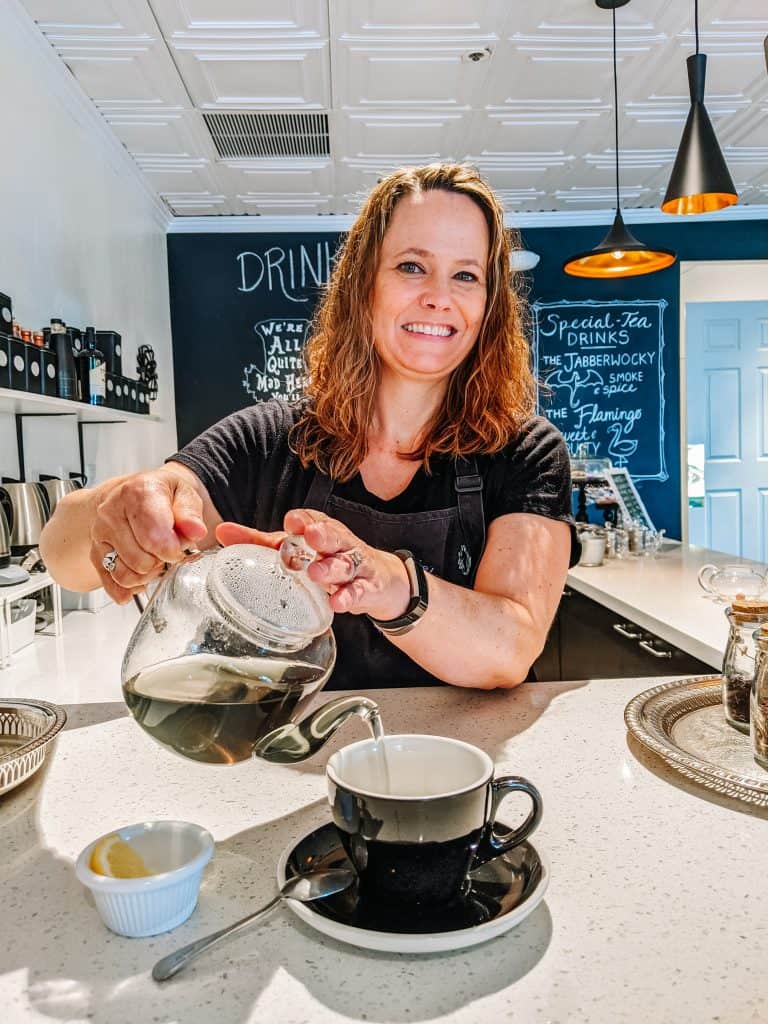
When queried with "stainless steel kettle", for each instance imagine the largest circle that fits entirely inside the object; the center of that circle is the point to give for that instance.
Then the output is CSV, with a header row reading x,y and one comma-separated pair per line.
x,y
55,488
26,511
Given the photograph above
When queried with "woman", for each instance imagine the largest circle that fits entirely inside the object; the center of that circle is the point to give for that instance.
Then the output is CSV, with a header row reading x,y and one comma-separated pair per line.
x,y
416,436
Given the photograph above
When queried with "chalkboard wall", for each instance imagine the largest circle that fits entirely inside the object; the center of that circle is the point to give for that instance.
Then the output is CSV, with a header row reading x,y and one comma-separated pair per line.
x,y
655,462
241,305
240,309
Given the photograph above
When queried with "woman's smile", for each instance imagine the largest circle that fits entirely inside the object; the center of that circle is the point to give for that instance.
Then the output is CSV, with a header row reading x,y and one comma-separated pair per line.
x,y
430,330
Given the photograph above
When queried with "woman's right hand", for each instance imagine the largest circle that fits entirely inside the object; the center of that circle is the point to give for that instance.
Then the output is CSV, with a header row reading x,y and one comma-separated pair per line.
x,y
148,520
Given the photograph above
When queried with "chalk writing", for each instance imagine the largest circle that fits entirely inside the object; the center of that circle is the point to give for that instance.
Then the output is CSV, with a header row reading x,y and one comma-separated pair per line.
x,y
280,371
286,271
602,366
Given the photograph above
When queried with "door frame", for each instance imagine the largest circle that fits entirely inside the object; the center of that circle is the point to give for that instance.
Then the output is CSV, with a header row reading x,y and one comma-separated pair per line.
x,y
710,281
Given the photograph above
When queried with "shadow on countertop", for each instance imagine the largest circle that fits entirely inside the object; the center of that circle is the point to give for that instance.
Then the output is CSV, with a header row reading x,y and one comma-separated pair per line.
x,y
487,718
80,716
658,767
77,969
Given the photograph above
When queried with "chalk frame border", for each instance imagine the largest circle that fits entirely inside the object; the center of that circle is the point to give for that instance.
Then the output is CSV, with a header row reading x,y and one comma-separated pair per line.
x,y
661,304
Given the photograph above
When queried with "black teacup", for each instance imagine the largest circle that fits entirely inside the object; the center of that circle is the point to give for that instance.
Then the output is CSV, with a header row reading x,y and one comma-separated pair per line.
x,y
416,813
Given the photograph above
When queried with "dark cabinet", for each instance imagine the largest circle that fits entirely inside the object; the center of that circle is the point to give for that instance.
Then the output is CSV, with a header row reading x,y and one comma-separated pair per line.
x,y
588,641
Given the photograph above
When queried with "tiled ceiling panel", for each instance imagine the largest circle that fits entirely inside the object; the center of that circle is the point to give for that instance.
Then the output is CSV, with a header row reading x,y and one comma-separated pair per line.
x,y
178,17
522,90
229,74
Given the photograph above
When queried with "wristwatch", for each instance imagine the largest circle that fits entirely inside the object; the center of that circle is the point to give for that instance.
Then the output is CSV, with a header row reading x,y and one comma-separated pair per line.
x,y
416,606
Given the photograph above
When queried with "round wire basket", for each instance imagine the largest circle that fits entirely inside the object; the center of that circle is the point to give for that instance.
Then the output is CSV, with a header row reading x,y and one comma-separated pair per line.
x,y
26,730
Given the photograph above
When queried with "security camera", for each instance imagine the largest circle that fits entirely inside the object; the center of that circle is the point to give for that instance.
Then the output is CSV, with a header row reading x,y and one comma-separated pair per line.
x,y
475,56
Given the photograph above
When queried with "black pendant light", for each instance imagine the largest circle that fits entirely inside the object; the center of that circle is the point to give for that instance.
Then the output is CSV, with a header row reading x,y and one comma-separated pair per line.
x,y
700,182
619,254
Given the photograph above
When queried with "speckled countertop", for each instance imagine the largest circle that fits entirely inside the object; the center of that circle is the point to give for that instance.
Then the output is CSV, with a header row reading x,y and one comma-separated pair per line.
x,y
655,911
663,595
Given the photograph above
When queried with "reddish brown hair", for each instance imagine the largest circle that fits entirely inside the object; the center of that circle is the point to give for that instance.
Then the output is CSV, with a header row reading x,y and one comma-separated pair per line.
x,y
489,395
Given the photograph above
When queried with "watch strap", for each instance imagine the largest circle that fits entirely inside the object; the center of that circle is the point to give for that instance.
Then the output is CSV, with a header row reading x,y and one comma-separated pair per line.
x,y
417,604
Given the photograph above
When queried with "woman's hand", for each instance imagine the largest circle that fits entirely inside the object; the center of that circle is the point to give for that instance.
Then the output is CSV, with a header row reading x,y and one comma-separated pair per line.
x,y
359,579
145,522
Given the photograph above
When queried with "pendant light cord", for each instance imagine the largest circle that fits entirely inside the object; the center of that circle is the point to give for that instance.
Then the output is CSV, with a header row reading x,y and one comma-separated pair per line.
x,y
696,22
616,111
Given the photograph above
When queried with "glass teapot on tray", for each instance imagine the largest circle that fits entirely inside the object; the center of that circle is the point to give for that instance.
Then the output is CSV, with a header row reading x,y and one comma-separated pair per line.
x,y
231,647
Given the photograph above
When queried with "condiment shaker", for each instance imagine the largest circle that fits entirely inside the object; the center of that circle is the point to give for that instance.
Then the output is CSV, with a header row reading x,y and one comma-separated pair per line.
x,y
744,617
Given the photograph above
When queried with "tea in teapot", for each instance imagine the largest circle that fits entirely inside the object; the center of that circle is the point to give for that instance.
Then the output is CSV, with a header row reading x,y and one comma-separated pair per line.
x,y
211,708
230,648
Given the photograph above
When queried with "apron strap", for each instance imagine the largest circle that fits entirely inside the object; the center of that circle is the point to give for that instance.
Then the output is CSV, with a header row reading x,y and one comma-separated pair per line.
x,y
469,495
467,483
319,491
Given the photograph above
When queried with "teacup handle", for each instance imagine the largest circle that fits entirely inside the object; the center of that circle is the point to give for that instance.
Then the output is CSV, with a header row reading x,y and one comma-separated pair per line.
x,y
495,841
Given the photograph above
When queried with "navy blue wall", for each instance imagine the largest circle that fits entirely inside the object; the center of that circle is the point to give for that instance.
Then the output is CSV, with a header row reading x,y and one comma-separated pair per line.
x,y
711,240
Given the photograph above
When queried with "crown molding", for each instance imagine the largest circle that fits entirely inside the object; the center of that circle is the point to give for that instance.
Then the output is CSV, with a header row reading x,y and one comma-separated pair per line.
x,y
332,222
62,84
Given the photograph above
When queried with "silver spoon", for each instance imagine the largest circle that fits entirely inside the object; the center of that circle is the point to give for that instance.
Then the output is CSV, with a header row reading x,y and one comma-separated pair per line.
x,y
304,888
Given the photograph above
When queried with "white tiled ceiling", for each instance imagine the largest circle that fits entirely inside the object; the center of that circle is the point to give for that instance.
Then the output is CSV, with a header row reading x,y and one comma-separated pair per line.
x,y
395,78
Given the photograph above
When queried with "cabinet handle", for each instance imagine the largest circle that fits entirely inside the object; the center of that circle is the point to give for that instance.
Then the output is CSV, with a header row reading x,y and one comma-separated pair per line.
x,y
652,650
625,629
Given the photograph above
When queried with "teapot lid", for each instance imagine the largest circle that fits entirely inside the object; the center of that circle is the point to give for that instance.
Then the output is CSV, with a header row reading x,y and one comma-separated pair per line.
x,y
253,587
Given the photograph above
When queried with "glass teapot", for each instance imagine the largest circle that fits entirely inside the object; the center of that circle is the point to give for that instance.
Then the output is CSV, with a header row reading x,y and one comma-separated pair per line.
x,y
729,581
232,645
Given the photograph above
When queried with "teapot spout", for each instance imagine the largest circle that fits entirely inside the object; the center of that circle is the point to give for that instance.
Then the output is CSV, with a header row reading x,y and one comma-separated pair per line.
x,y
294,742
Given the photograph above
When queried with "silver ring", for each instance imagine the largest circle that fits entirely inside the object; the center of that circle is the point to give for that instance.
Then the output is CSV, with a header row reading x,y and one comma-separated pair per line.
x,y
109,561
356,559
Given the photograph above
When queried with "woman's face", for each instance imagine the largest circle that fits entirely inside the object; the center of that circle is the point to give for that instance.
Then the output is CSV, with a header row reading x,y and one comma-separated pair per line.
x,y
430,285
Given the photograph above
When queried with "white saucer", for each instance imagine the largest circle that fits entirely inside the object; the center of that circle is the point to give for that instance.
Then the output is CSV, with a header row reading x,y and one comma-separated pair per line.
x,y
503,892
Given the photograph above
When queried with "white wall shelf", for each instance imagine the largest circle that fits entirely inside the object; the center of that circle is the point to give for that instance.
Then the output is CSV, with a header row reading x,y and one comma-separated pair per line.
x,y
22,402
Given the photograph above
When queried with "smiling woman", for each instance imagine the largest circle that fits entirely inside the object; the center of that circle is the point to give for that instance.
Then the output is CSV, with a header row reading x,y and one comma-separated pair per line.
x,y
414,448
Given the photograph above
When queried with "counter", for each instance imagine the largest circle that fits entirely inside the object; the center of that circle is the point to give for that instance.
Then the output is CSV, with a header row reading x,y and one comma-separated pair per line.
x,y
654,911
663,595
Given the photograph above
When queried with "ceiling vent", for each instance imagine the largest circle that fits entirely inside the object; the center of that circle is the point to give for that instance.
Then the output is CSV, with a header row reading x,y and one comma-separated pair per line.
x,y
249,135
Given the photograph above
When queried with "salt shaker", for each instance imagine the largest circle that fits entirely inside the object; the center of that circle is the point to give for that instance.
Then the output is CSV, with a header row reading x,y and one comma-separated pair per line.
x,y
744,617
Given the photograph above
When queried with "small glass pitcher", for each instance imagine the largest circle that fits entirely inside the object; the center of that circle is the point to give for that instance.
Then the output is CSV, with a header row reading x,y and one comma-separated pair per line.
x,y
744,617
728,581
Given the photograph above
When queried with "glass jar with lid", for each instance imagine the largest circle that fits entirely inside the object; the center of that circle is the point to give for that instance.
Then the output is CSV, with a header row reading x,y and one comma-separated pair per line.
x,y
745,615
758,702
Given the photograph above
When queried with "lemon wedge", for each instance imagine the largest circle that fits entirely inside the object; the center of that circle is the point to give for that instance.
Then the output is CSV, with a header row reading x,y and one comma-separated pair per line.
x,y
115,858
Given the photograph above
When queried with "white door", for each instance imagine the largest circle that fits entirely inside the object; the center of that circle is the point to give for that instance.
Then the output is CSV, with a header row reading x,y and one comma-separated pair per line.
x,y
727,399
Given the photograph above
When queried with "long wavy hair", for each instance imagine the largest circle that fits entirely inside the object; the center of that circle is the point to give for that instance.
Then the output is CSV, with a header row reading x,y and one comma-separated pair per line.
x,y
489,395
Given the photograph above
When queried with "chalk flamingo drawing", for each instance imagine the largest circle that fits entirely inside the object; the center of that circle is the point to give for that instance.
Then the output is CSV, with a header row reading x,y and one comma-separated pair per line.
x,y
620,448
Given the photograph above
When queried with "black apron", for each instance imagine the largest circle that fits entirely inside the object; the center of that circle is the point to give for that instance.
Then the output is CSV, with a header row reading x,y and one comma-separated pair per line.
x,y
448,542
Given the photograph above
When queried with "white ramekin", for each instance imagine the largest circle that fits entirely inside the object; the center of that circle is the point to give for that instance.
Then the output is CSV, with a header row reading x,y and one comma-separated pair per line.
x,y
137,907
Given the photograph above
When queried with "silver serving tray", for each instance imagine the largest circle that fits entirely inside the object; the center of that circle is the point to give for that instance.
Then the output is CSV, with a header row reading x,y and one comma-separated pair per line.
x,y
684,723
26,730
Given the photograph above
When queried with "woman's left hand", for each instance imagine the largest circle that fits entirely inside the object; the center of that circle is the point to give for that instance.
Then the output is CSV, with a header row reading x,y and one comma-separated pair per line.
x,y
359,579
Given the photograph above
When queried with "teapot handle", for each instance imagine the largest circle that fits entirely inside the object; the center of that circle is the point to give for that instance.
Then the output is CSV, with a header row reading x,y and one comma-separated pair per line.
x,y
706,572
